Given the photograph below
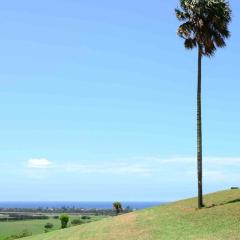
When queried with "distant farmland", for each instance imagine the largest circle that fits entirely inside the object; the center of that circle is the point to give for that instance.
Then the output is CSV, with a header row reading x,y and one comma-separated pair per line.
x,y
8,228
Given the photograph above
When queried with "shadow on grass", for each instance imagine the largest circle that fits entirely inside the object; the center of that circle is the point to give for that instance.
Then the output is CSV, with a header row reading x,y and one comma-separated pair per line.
x,y
224,203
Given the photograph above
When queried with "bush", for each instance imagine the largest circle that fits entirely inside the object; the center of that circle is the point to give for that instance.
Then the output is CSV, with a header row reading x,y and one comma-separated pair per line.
x,y
55,217
85,217
48,225
25,233
64,218
76,221
118,207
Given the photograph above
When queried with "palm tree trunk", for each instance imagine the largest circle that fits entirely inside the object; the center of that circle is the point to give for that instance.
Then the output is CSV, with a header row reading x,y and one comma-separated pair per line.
x,y
199,130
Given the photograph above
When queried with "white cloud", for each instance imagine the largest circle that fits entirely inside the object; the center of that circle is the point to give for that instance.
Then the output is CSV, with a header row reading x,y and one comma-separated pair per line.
x,y
213,175
40,163
226,161
210,175
179,160
104,168
166,160
215,168
218,161
94,168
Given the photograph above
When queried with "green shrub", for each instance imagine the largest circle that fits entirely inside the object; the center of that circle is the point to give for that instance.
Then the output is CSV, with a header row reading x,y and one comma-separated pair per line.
x,y
76,221
25,233
48,225
118,207
64,218
85,217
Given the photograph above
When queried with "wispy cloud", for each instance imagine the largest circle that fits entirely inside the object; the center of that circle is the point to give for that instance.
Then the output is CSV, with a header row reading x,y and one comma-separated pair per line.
x,y
166,160
94,168
216,168
212,175
117,168
39,163
226,161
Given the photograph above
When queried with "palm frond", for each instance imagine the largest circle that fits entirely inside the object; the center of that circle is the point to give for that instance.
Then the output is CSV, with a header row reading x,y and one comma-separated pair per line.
x,y
181,16
185,30
219,40
190,43
205,24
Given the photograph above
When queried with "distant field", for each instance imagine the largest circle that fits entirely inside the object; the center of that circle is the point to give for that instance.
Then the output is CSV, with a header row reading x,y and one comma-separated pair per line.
x,y
33,226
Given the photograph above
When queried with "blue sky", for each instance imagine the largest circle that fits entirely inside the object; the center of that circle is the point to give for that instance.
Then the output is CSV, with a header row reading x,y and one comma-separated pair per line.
x,y
98,102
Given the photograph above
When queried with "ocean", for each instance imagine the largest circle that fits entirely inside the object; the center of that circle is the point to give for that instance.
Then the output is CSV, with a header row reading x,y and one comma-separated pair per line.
x,y
83,205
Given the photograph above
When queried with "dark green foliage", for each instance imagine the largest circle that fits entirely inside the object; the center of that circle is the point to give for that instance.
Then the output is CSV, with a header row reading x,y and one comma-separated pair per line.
x,y
21,216
64,218
84,217
55,217
48,225
25,233
205,24
118,207
77,221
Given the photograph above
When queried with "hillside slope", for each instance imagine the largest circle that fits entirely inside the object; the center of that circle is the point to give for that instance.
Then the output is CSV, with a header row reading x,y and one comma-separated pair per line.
x,y
180,220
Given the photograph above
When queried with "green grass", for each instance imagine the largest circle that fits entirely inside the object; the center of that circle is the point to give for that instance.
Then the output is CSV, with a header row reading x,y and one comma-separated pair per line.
x,y
34,226
220,220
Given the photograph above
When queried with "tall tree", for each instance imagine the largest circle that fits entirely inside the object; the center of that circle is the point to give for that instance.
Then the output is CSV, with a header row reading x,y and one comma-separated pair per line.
x,y
204,26
118,207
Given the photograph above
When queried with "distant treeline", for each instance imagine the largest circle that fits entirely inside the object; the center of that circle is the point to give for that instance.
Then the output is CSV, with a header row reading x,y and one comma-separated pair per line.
x,y
70,210
18,217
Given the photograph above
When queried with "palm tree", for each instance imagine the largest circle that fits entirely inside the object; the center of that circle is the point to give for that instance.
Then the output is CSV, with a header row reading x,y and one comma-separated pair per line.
x,y
204,26
118,207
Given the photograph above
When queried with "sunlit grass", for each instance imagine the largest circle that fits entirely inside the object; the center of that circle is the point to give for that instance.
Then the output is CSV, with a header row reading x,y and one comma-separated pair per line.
x,y
220,219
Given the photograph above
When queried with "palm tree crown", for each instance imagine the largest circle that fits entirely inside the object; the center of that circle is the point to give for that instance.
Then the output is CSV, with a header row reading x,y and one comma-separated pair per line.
x,y
205,24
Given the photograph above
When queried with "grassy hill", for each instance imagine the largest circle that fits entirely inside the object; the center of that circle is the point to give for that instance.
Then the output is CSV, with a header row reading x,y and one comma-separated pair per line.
x,y
220,219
